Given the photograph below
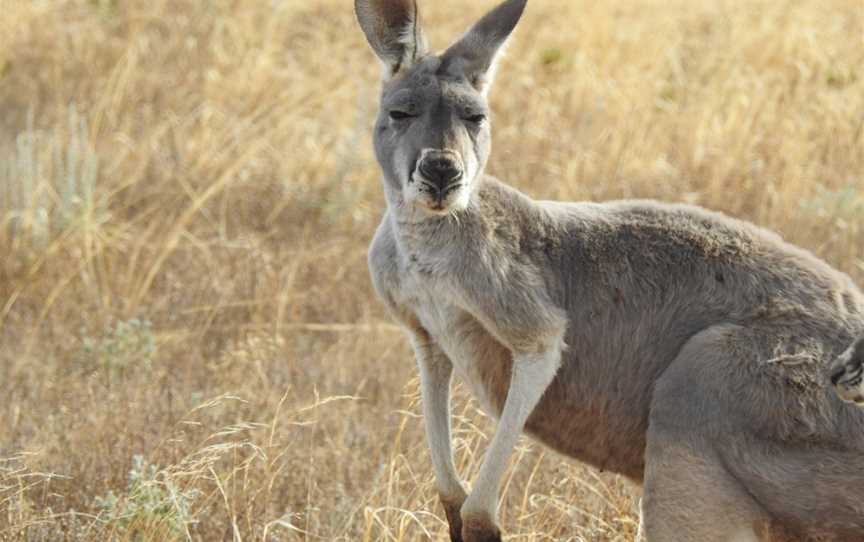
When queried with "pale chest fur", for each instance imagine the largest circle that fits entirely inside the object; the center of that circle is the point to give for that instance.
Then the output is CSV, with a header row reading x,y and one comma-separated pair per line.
x,y
478,360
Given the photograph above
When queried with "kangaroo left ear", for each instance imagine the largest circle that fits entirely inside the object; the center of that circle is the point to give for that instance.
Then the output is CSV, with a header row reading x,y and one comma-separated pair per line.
x,y
477,52
393,29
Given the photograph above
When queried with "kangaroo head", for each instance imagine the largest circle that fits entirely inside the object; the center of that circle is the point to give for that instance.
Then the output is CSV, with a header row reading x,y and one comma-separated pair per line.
x,y
432,135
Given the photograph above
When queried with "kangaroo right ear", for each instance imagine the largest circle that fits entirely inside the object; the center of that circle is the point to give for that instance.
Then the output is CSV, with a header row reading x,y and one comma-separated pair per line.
x,y
478,50
392,28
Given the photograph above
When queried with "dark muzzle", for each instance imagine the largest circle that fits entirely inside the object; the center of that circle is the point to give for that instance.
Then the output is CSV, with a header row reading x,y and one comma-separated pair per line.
x,y
442,170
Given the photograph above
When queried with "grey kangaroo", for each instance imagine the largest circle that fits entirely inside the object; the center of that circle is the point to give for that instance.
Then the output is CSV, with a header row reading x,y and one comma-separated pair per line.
x,y
686,350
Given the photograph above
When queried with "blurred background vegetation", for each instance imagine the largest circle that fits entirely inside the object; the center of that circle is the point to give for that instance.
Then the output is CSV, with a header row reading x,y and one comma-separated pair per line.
x,y
189,345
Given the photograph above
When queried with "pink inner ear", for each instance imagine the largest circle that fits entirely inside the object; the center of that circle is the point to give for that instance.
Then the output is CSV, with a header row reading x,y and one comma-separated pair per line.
x,y
392,29
395,13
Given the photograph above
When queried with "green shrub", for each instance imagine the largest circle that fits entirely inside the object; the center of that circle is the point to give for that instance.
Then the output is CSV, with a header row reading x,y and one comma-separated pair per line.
x,y
121,348
153,504
48,181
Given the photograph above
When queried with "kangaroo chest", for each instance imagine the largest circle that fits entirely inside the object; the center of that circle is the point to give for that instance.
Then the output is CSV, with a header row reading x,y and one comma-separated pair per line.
x,y
480,361
570,417
576,416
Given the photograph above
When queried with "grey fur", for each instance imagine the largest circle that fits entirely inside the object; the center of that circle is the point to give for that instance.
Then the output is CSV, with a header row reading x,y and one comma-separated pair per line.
x,y
697,346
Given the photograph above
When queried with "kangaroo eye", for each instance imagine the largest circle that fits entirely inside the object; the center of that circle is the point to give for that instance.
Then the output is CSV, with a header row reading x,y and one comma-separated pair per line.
x,y
476,119
401,115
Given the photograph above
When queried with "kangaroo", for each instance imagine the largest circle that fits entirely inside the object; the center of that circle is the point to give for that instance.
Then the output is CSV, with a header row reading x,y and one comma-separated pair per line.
x,y
687,350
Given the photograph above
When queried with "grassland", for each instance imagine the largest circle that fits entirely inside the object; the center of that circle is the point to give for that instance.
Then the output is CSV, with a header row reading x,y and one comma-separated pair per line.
x,y
189,344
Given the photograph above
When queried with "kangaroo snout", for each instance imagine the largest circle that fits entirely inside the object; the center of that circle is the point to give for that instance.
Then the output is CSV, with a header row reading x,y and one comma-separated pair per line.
x,y
441,169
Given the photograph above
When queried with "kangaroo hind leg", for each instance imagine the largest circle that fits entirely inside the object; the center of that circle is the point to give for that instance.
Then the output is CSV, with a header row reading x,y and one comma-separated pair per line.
x,y
689,496
689,493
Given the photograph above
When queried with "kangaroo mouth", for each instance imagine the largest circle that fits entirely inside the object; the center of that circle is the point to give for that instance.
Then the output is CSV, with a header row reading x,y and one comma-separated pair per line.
x,y
441,200
435,198
442,195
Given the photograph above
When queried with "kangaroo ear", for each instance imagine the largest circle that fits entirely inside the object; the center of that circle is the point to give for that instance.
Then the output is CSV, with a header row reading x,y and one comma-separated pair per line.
x,y
476,53
392,28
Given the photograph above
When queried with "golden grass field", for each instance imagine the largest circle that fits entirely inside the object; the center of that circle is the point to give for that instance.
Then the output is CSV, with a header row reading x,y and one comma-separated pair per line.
x,y
189,344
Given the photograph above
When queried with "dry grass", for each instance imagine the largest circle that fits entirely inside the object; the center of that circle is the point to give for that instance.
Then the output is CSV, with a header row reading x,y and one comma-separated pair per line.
x,y
186,192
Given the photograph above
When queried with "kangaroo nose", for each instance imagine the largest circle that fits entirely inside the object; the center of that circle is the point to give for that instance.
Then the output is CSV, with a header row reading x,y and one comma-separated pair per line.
x,y
440,170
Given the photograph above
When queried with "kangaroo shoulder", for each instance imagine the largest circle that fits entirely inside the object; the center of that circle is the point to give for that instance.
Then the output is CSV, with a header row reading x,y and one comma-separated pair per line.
x,y
383,259
384,269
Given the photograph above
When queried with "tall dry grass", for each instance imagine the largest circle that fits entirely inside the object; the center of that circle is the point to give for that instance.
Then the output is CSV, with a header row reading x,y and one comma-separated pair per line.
x,y
189,346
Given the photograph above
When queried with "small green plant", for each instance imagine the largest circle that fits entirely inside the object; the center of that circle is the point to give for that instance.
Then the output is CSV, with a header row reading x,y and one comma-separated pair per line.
x,y
106,7
48,181
5,67
846,203
122,347
153,503
551,56
839,77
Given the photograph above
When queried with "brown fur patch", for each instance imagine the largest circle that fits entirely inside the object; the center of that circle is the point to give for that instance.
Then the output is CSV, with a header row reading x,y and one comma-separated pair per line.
x,y
452,509
480,528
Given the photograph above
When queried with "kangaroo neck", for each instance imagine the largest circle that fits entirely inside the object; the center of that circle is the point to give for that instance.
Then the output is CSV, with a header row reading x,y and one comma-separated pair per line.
x,y
420,231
